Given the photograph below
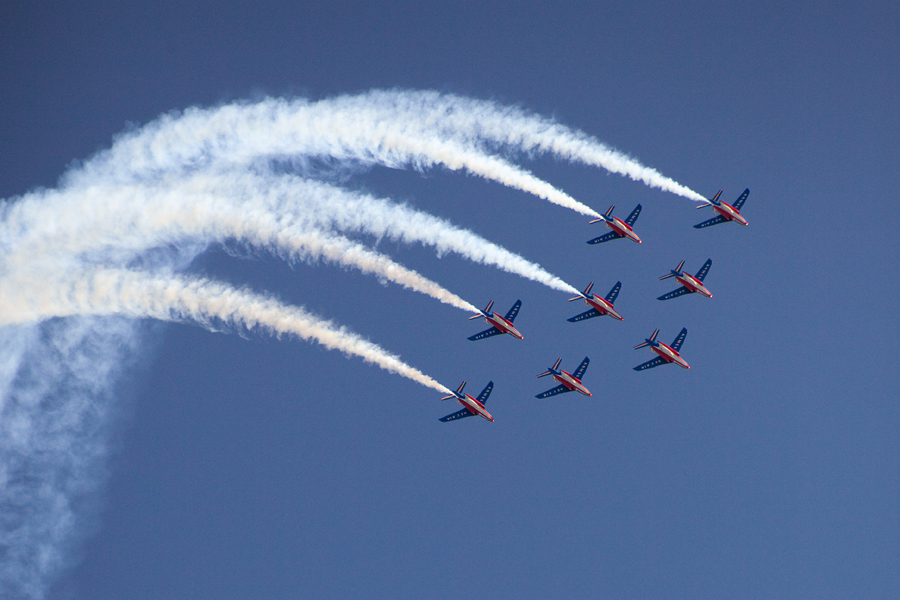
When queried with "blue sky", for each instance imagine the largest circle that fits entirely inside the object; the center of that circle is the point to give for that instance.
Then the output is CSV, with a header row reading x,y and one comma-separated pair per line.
x,y
243,466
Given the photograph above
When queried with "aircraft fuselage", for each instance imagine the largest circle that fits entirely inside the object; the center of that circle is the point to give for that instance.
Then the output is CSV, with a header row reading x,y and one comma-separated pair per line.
x,y
668,354
622,228
502,324
729,212
693,284
474,406
571,382
602,306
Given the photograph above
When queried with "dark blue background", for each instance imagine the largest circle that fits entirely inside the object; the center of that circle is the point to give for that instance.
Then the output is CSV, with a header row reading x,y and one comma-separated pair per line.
x,y
263,468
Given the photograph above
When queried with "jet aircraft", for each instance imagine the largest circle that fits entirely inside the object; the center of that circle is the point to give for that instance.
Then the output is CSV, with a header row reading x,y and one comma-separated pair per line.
x,y
471,406
667,354
689,283
570,382
499,324
599,306
620,228
727,212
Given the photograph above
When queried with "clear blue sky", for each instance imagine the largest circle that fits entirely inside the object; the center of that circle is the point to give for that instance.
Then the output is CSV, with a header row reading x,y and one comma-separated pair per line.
x,y
263,468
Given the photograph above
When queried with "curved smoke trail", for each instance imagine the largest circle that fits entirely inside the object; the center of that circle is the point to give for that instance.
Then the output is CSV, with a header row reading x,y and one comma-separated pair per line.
x,y
264,209
71,252
117,292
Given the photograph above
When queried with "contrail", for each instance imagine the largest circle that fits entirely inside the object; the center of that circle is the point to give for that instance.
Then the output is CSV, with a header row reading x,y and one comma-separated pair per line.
x,y
134,294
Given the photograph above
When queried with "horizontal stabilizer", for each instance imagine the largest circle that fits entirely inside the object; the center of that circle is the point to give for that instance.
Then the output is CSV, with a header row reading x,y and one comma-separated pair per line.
x,y
612,235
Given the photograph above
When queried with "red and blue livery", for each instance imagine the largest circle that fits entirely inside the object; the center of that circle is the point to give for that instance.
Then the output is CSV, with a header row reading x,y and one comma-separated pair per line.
x,y
471,406
667,354
599,306
620,229
689,283
569,382
727,212
499,324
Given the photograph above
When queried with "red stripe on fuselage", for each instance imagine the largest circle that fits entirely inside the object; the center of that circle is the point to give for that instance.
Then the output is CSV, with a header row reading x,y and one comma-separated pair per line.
x,y
503,325
475,406
623,229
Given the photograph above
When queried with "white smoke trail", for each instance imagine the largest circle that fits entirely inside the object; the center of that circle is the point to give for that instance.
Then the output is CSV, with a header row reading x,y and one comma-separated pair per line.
x,y
285,211
245,133
394,127
176,298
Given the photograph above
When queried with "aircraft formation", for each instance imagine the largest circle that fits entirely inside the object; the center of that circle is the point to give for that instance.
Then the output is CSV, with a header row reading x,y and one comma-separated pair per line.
x,y
601,306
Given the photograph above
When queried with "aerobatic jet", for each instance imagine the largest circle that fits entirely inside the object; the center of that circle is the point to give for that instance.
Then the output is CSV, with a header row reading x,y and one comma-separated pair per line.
x,y
500,324
471,406
689,283
569,382
599,306
620,228
727,212
667,354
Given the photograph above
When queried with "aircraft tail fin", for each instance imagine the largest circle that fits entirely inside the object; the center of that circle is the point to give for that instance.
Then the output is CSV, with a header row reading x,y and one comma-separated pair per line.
x,y
553,368
646,343
609,211
458,391
586,292
487,311
672,273
711,201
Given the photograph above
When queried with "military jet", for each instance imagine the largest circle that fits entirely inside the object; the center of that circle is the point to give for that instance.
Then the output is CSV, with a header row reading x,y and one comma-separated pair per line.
x,y
689,283
727,212
599,306
499,324
569,382
620,228
667,354
471,406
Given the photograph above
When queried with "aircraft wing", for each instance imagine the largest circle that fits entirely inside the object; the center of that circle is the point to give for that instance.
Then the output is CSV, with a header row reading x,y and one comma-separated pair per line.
x,y
485,334
676,345
650,364
614,293
740,201
633,216
579,372
709,222
585,315
701,274
511,315
460,414
483,396
560,389
674,294
612,235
